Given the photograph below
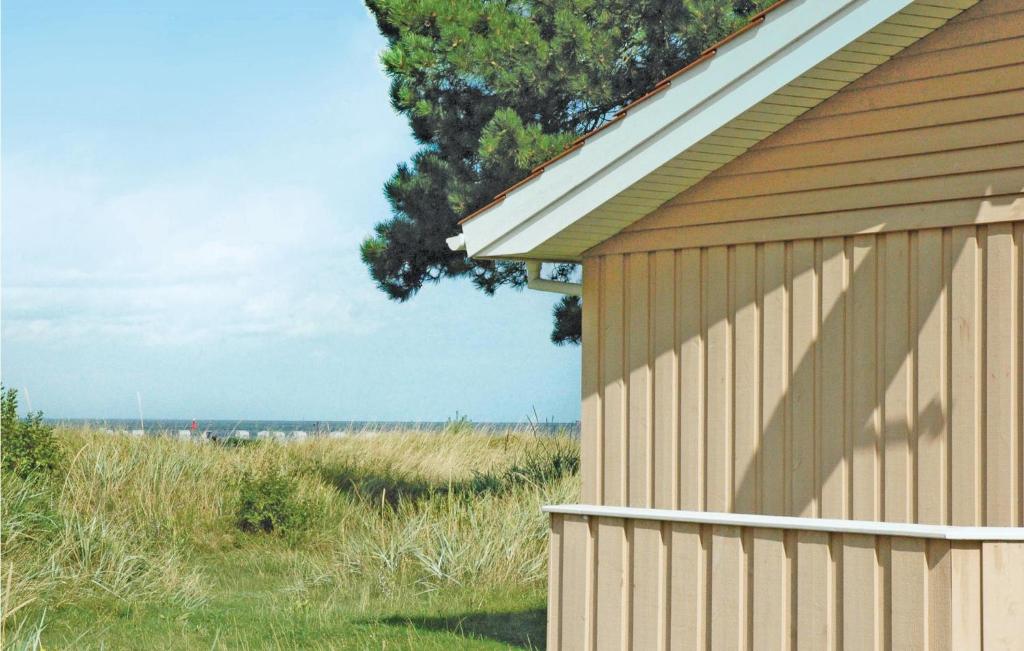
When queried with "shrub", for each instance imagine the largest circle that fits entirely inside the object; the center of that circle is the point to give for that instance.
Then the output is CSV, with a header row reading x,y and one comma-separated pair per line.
x,y
28,446
270,503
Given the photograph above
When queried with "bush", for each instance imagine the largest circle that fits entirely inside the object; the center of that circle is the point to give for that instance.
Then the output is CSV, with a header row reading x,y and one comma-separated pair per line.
x,y
28,446
270,503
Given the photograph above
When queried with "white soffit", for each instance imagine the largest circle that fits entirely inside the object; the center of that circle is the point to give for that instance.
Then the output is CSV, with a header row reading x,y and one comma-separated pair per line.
x,y
802,53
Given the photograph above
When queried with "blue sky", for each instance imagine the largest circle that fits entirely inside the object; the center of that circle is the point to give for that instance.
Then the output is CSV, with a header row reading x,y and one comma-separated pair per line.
x,y
185,185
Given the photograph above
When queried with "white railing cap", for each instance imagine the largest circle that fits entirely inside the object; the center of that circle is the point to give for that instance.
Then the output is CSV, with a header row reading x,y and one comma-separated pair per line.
x,y
868,527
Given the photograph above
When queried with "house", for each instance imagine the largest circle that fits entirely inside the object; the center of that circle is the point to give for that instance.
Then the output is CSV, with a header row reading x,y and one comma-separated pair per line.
x,y
803,366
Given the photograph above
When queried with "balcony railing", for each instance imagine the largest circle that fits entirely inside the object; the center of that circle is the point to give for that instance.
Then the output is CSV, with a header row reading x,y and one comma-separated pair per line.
x,y
631,578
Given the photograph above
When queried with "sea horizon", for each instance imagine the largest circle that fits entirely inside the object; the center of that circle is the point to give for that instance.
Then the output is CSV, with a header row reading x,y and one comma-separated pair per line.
x,y
221,426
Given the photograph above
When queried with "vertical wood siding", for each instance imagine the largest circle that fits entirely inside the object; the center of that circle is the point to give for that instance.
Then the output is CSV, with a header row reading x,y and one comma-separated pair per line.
x,y
692,586
831,325
874,377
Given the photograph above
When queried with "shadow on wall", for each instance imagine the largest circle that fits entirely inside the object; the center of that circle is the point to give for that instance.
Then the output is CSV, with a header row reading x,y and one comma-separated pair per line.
x,y
520,629
910,322
880,382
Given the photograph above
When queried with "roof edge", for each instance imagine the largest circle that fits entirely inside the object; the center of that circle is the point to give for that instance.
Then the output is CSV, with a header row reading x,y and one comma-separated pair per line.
x,y
753,64
659,86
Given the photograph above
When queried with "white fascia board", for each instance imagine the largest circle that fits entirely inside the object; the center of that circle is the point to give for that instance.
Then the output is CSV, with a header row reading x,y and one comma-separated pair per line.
x,y
794,38
867,527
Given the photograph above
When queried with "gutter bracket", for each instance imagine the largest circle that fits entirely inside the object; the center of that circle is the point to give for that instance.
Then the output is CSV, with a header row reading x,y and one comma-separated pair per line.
x,y
534,281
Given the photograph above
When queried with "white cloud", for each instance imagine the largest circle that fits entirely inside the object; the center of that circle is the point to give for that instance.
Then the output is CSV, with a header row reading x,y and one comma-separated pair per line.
x,y
201,259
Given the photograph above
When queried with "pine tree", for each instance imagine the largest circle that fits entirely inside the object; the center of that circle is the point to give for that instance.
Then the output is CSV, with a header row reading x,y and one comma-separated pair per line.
x,y
491,88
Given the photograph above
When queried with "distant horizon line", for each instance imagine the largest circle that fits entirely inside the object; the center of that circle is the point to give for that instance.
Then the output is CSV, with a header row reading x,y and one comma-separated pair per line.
x,y
135,419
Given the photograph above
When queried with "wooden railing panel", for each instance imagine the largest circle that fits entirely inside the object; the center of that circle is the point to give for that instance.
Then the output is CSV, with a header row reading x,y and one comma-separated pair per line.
x,y
687,606
682,585
1003,595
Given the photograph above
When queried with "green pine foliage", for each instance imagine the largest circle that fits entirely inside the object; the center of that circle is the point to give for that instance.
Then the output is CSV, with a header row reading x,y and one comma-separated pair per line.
x,y
492,88
27,445
568,315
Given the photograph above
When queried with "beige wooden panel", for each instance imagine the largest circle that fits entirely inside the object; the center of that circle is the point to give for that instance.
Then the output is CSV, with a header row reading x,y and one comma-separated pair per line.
x,y
1019,239
867,172
590,383
1018,235
774,377
1001,342
931,377
819,127
666,403
639,446
874,147
574,607
803,289
910,599
681,212
691,379
897,365
933,102
965,376
746,395
648,583
910,409
883,605
892,219
970,28
688,588
939,609
555,544
613,378
839,371
860,590
728,591
833,473
984,8
770,617
827,358
965,84
718,471
1003,595
610,590
862,328
815,593
940,63
965,602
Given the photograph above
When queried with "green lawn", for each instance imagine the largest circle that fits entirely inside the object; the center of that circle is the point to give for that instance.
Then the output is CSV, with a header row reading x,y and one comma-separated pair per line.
x,y
254,603
409,541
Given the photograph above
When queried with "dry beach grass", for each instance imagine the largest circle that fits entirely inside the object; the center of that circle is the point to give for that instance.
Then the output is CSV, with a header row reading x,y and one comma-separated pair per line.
x,y
405,540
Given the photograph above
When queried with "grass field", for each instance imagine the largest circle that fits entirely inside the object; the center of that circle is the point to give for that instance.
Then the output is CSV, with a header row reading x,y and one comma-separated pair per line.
x,y
392,541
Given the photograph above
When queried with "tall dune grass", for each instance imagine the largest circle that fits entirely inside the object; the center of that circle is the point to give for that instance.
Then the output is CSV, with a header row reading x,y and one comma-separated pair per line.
x,y
396,515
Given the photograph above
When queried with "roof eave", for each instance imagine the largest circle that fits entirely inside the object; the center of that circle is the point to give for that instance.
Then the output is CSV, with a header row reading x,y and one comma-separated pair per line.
x,y
745,70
